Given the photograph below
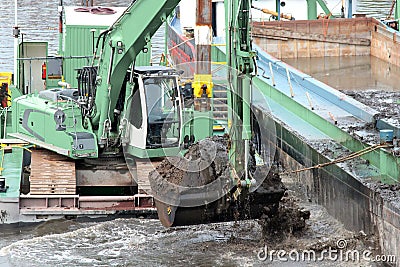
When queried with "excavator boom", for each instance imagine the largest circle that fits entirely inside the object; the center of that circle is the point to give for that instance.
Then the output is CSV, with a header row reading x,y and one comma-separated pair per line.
x,y
129,35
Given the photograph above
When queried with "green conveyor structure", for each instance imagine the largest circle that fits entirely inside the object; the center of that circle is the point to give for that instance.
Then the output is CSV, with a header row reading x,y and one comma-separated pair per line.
x,y
325,120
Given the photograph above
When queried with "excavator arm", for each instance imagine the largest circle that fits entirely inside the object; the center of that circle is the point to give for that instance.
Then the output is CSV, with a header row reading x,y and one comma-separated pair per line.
x,y
241,66
220,192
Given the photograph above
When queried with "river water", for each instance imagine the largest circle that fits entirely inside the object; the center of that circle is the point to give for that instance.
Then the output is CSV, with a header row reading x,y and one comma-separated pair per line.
x,y
131,241
361,73
145,242
128,242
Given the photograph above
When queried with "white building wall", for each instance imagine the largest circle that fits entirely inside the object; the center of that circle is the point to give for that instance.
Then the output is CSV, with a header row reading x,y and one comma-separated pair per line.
x,y
188,14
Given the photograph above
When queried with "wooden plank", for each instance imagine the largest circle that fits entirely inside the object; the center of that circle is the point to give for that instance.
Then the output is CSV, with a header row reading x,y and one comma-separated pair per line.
x,y
61,187
143,168
52,173
53,185
53,192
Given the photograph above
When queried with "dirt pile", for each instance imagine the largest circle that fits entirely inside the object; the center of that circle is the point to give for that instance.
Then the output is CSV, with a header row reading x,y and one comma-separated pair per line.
x,y
202,174
204,162
387,103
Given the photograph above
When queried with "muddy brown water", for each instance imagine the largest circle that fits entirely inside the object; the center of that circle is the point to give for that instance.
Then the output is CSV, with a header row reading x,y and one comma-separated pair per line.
x,y
359,73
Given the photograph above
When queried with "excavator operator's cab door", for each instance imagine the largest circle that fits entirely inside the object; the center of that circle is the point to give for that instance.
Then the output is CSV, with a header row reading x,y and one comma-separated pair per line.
x,y
155,115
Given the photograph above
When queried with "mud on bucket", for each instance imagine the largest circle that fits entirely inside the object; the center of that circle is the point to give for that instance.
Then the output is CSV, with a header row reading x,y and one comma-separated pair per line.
x,y
386,136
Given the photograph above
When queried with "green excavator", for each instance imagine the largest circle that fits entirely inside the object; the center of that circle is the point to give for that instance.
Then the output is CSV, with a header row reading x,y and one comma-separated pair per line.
x,y
162,129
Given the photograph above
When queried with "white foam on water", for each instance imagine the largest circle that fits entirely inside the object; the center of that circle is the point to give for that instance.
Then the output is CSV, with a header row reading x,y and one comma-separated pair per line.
x,y
87,246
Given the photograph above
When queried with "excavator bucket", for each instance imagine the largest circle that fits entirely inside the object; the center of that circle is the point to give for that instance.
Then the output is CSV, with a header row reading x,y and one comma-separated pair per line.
x,y
199,188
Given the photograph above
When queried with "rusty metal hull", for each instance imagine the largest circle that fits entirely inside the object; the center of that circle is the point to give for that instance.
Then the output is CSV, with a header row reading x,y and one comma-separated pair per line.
x,y
315,38
50,187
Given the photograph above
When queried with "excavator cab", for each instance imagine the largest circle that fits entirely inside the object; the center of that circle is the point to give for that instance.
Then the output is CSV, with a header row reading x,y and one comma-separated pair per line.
x,y
155,115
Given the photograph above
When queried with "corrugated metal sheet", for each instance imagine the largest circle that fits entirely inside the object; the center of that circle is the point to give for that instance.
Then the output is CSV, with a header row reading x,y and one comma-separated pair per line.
x,y
78,41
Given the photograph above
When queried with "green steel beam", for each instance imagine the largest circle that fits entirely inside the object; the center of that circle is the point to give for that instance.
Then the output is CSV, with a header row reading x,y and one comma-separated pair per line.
x,y
239,57
311,9
324,7
312,12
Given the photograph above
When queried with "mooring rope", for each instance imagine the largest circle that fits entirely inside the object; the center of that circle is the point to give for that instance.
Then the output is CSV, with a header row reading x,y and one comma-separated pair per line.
x,y
339,160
